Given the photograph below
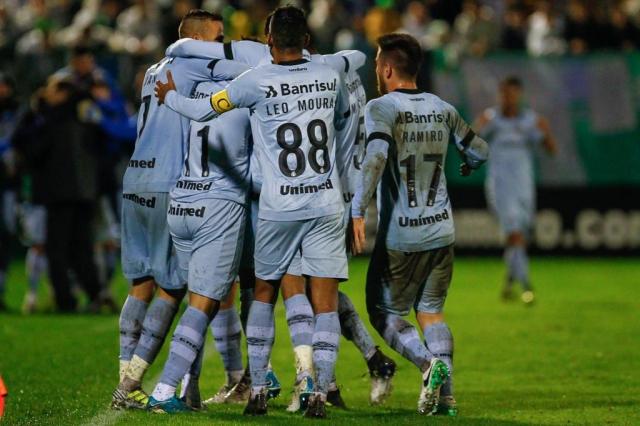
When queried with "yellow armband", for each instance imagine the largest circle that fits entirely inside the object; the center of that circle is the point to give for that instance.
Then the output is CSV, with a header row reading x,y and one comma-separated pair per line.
x,y
220,102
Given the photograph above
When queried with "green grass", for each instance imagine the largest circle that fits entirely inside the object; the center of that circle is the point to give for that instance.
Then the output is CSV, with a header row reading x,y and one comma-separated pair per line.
x,y
570,359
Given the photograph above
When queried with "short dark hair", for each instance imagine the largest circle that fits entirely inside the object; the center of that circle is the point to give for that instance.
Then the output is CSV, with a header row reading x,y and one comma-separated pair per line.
x,y
196,15
402,51
512,81
288,28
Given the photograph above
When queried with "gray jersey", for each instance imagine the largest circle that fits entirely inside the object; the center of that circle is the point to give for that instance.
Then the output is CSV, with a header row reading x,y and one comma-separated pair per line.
x,y
216,164
413,129
296,109
350,157
294,124
157,159
512,142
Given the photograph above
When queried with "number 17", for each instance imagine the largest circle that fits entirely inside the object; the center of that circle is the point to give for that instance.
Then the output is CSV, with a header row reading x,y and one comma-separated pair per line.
x,y
410,164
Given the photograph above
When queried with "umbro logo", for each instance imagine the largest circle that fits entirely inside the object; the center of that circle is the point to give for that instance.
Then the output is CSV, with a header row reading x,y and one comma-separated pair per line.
x,y
271,93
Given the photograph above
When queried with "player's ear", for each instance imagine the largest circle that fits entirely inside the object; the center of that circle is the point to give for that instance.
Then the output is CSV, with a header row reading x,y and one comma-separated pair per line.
x,y
269,40
388,71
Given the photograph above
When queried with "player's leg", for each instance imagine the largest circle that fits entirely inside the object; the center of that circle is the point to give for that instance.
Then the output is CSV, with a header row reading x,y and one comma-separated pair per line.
x,y
147,253
518,262
324,260
381,367
227,333
34,221
215,245
429,313
276,245
299,315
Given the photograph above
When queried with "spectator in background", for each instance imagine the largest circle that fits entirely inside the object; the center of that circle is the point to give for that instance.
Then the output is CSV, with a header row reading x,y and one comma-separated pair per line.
x,y
623,33
580,30
64,165
474,32
544,36
514,30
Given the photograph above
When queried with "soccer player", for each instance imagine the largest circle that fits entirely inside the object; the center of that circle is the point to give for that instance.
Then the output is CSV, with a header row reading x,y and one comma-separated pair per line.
x,y
408,132
207,222
513,132
147,258
297,107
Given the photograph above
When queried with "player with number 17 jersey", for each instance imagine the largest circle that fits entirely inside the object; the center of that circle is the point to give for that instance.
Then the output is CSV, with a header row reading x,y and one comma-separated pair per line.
x,y
413,203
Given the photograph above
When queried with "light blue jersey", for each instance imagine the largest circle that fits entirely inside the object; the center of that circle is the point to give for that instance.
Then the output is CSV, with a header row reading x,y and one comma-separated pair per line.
x,y
296,109
216,164
157,159
510,183
410,130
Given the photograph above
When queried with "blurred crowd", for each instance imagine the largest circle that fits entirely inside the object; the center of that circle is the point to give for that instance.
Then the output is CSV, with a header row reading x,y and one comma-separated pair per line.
x,y
70,72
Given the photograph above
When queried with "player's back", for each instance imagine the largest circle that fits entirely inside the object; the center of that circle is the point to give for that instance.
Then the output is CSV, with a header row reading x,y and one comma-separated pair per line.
x,y
293,124
413,203
157,159
217,155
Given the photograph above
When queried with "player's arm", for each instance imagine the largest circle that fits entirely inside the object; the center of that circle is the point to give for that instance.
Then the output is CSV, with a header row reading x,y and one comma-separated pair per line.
x,y
548,141
473,149
342,116
378,122
215,69
345,60
245,51
241,92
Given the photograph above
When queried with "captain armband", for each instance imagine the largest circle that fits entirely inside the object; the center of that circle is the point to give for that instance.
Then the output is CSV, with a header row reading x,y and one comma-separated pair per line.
x,y
220,102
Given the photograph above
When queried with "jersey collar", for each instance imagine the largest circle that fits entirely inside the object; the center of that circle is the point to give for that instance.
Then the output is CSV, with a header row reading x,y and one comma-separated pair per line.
x,y
294,62
409,91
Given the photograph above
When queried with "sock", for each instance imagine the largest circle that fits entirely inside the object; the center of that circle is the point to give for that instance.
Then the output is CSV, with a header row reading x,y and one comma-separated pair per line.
x,y
246,297
162,392
185,346
521,264
404,338
131,318
35,265
155,328
260,334
353,328
439,340
326,340
301,328
227,332
191,380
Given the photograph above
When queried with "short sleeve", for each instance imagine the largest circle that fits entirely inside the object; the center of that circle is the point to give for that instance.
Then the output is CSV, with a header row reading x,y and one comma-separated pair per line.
x,y
378,120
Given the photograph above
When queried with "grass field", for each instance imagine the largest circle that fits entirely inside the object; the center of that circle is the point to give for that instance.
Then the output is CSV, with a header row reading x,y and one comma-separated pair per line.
x,y
570,359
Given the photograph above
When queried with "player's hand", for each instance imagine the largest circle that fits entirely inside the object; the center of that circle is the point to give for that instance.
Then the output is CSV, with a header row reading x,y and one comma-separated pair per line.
x,y
162,89
359,238
465,170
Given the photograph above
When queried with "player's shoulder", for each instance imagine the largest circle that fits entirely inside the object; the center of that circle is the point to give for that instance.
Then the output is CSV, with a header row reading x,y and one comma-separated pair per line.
x,y
386,103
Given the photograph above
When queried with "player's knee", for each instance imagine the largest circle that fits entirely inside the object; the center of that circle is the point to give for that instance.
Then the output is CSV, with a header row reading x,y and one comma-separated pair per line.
x,y
143,289
265,292
172,296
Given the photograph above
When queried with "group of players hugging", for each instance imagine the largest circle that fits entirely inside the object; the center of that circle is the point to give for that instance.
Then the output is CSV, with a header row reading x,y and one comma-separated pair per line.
x,y
250,165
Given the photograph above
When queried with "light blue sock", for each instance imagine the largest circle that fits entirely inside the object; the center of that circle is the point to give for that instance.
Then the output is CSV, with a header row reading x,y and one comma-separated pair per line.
x,y
131,318
260,336
185,346
326,341
155,328
439,340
